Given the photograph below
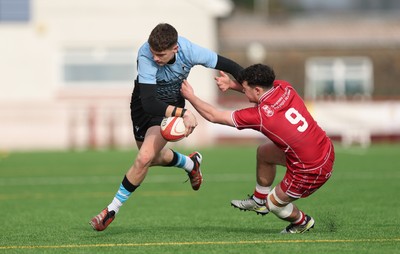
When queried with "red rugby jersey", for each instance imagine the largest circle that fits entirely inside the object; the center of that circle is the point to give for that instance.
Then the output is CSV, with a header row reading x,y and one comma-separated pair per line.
x,y
282,116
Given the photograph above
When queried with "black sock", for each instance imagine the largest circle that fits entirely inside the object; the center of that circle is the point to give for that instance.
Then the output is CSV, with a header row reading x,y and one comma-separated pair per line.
x,y
174,160
128,185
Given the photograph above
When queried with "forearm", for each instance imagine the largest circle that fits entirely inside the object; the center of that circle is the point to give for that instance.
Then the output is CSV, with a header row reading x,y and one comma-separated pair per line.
x,y
206,110
236,86
156,107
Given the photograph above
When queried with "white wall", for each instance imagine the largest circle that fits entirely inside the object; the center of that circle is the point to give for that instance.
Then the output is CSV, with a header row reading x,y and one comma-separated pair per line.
x,y
370,118
377,117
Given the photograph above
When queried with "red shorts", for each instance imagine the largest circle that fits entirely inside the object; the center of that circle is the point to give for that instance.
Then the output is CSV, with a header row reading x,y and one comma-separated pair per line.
x,y
299,184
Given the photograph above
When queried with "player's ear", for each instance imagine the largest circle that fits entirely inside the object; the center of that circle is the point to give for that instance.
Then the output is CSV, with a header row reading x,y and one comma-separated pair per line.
x,y
258,90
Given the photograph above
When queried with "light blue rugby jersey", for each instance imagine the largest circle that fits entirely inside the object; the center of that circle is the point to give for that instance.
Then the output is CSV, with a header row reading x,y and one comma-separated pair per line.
x,y
170,77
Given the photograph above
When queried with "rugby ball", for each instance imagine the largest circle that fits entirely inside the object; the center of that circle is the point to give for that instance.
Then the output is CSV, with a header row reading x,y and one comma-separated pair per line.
x,y
172,128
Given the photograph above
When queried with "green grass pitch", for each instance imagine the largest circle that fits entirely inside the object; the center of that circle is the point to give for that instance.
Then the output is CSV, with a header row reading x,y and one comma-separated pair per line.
x,y
48,198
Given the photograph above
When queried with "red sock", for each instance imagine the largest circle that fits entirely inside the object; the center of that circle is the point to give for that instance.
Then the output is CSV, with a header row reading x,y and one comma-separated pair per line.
x,y
260,195
301,219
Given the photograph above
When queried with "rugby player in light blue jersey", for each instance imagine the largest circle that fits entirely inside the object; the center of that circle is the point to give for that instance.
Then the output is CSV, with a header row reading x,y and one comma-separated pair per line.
x,y
163,62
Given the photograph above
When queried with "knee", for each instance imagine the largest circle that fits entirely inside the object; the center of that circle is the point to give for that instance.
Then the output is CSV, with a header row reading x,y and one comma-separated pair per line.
x,y
266,153
143,160
261,149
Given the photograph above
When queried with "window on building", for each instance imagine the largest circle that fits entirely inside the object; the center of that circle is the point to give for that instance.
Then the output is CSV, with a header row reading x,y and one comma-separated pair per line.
x,y
98,66
15,10
339,78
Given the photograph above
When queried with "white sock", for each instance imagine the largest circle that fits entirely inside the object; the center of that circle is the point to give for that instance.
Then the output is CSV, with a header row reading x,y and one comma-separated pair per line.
x,y
184,162
262,189
189,165
114,205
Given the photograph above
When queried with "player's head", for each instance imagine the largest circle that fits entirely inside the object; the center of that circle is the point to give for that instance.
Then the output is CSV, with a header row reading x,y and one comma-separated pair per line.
x,y
256,79
163,37
163,41
257,75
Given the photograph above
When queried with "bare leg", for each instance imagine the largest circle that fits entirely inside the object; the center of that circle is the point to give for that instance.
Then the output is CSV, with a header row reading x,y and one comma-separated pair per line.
x,y
149,151
268,156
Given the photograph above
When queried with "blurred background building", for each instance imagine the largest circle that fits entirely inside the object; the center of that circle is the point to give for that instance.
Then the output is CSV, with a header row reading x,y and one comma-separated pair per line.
x,y
67,66
342,56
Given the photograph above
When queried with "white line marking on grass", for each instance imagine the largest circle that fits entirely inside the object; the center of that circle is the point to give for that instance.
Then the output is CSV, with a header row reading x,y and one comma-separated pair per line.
x,y
86,180
73,246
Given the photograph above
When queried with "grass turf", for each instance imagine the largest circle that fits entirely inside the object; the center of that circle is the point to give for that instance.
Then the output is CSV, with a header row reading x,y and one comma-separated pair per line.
x,y
47,199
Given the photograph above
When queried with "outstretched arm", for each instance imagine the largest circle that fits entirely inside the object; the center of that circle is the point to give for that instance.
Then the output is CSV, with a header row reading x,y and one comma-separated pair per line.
x,y
209,112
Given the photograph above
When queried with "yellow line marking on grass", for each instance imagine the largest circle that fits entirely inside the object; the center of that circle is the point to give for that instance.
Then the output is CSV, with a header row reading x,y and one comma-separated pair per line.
x,y
72,246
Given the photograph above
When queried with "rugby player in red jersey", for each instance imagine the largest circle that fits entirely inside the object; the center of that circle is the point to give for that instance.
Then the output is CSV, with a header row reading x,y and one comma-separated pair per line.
x,y
297,143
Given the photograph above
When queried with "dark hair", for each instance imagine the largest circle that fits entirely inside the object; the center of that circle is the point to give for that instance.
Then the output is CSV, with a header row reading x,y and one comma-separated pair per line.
x,y
163,37
257,75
